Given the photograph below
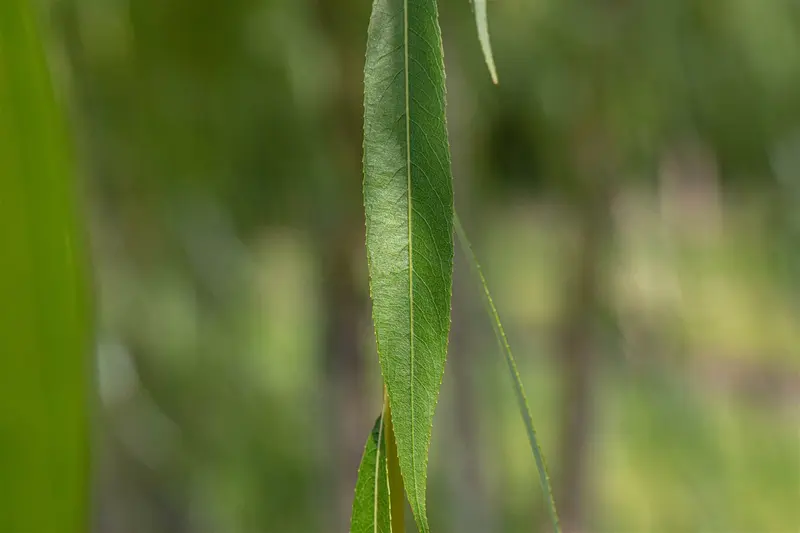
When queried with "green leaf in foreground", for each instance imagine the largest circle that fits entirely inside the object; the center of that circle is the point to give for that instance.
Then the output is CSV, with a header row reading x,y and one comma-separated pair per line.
x,y
408,202
482,22
44,321
522,400
371,502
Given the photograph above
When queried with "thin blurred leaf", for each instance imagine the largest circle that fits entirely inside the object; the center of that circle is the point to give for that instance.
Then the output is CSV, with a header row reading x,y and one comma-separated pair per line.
x,y
44,324
482,22
408,200
522,400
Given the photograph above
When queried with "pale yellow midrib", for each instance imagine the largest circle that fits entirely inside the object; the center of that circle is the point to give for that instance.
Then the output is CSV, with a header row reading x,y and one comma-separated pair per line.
x,y
410,247
377,477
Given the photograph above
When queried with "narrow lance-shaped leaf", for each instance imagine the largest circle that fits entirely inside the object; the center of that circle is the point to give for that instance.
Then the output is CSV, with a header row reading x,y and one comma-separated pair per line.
x,y
408,200
44,319
519,390
482,22
371,511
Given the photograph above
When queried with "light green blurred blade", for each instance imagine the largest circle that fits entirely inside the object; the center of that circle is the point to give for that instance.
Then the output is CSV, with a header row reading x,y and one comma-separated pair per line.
x,y
519,390
44,326
482,22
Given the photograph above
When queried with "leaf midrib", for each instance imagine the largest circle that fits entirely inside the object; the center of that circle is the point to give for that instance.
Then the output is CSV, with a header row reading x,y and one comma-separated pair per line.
x,y
377,478
407,88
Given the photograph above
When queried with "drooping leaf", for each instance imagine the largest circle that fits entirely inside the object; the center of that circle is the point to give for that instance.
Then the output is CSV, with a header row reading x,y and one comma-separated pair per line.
x,y
408,200
482,22
371,511
519,390
44,324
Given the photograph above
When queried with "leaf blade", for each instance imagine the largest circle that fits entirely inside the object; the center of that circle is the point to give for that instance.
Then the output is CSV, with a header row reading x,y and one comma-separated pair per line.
x,y
482,23
45,337
371,504
519,390
408,201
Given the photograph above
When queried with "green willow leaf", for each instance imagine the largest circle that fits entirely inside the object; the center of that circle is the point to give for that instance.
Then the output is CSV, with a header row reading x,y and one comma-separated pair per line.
x,y
408,202
371,512
522,400
482,22
44,318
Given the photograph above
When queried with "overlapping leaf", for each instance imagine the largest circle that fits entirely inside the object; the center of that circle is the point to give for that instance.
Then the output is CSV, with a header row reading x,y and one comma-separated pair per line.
x,y
371,512
408,200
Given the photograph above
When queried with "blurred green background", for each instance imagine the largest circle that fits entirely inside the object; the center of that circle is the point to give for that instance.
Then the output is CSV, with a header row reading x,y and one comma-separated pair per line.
x,y
632,187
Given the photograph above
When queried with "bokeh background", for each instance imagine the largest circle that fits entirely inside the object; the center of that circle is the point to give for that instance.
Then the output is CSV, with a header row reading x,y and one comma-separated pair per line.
x,y
632,187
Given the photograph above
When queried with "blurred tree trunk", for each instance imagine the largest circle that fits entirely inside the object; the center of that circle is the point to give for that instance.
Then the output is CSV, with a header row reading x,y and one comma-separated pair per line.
x,y
577,346
339,232
344,368
472,512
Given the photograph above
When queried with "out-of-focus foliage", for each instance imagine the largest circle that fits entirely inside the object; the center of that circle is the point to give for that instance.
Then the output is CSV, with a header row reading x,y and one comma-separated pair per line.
x,y
221,147
516,382
482,24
